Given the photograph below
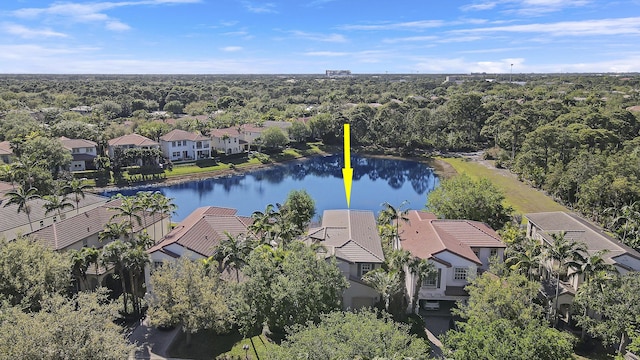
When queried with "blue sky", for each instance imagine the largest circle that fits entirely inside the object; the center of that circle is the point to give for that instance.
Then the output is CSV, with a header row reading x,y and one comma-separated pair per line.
x,y
310,36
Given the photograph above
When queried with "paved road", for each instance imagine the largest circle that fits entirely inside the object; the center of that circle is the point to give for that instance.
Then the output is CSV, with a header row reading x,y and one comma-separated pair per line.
x,y
434,327
152,343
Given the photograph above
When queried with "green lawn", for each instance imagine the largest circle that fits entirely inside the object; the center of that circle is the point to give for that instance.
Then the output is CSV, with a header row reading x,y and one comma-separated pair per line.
x,y
523,198
208,345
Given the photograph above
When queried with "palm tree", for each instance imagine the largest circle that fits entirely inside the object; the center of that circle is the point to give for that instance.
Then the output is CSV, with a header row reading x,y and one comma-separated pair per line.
x,y
423,269
567,254
589,268
386,283
390,215
129,208
114,255
396,261
526,259
80,262
626,223
21,197
56,203
263,223
232,252
134,261
76,187
114,231
164,206
145,200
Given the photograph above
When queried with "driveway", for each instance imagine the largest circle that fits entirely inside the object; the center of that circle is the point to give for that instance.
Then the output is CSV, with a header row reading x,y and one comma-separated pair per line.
x,y
152,343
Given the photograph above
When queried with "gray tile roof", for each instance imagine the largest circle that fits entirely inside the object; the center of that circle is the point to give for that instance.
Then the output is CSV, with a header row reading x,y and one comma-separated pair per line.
x,y
10,218
351,235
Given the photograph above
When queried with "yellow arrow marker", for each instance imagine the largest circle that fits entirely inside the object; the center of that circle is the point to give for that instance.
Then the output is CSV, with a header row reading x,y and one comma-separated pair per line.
x,y
347,171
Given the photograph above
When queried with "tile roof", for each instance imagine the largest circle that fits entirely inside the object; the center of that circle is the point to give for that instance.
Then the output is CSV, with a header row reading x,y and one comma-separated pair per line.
x,y
203,229
351,235
132,139
76,143
74,229
10,218
5,148
230,131
580,230
177,134
425,236
265,125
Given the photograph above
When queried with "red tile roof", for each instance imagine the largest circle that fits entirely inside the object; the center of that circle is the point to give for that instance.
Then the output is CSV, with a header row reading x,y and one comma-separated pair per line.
x,y
132,139
71,144
425,236
203,229
177,134
5,148
230,132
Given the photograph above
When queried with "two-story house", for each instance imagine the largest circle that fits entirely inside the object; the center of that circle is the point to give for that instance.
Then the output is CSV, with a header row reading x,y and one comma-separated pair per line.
x,y
131,141
83,152
251,132
458,249
6,152
543,226
180,145
228,140
351,236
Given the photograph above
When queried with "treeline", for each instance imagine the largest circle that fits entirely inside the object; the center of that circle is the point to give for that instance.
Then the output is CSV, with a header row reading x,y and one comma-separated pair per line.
x,y
569,135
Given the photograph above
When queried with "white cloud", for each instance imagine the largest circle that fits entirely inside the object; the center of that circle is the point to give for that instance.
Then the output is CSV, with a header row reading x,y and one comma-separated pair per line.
x,y
267,8
479,6
325,53
622,26
231,48
27,33
90,12
410,25
334,38
526,7
409,39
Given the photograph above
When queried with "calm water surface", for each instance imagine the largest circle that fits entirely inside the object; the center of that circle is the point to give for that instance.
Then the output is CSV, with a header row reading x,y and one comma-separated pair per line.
x,y
374,182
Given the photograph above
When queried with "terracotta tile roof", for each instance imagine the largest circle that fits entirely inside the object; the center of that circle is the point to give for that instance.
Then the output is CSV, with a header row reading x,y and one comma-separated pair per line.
x,y
425,236
580,230
76,143
230,132
74,229
10,218
351,235
132,139
5,148
177,134
265,125
203,229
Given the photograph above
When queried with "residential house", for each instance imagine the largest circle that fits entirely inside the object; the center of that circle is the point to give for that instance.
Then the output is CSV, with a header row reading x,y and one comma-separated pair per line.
x,y
542,227
459,250
14,223
83,152
83,230
180,145
196,236
251,132
351,236
6,152
229,141
131,141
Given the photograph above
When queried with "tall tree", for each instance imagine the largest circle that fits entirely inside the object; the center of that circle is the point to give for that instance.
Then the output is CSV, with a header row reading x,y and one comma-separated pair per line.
x,y
184,294
233,252
164,206
76,187
387,283
56,203
114,256
423,270
21,197
464,198
81,260
393,215
129,209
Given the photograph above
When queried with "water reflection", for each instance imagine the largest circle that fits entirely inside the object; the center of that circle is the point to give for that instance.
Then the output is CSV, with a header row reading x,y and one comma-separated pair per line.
x,y
376,180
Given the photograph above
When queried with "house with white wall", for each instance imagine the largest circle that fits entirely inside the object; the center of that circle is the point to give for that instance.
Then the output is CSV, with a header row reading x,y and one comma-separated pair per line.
x,y
229,141
180,145
131,141
459,250
83,153
351,236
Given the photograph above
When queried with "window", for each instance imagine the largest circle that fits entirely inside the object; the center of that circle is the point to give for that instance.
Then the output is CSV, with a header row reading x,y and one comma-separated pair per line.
x,y
364,268
173,143
460,274
433,280
175,154
75,150
494,252
157,264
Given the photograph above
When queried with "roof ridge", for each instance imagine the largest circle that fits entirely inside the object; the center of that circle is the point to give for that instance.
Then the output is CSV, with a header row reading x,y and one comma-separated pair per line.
x,y
362,247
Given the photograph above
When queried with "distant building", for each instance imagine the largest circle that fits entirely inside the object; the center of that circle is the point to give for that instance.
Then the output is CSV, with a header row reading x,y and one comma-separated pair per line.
x,y
82,151
338,73
6,152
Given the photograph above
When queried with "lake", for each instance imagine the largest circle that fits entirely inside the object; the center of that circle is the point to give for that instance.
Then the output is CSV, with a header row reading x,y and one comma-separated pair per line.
x,y
375,180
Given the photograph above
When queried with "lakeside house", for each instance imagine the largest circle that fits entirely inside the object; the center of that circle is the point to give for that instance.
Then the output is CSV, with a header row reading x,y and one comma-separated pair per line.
x,y
459,250
543,226
351,236
179,145
229,141
131,141
83,153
